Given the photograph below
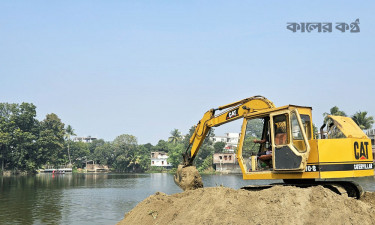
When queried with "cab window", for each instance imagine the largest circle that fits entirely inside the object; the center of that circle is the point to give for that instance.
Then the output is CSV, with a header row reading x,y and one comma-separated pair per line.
x,y
297,136
255,129
306,122
280,129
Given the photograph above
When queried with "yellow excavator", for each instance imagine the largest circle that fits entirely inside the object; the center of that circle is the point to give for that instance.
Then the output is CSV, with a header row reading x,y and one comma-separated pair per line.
x,y
288,149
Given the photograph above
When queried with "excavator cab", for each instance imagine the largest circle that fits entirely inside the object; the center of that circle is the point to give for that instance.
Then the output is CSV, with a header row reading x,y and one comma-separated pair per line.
x,y
285,140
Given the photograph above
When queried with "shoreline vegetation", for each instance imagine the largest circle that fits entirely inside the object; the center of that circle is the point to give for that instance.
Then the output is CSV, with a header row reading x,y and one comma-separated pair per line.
x,y
28,145
209,171
79,170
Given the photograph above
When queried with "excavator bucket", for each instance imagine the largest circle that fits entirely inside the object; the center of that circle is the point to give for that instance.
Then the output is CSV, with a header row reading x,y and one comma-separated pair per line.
x,y
186,160
188,178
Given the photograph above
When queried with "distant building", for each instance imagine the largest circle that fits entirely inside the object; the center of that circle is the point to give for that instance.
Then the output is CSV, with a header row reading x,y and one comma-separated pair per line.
x,y
92,167
230,140
160,159
88,139
371,134
226,163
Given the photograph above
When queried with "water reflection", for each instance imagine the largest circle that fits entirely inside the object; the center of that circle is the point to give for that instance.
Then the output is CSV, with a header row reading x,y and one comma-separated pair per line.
x,y
24,202
95,198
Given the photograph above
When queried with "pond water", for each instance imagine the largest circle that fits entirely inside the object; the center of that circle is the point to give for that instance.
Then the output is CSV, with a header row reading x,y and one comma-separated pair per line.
x,y
95,198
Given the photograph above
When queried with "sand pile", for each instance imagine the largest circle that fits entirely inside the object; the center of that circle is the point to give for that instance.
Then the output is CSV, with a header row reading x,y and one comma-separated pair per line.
x,y
369,197
188,178
277,205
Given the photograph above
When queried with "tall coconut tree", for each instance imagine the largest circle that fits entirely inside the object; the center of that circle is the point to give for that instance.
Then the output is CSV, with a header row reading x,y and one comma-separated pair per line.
x,y
175,136
69,131
334,111
362,120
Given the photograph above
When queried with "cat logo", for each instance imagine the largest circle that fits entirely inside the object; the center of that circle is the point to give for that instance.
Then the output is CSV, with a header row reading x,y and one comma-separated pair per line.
x,y
232,114
361,152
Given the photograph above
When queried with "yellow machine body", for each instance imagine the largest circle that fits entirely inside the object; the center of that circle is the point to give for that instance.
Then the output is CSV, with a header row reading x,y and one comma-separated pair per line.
x,y
349,156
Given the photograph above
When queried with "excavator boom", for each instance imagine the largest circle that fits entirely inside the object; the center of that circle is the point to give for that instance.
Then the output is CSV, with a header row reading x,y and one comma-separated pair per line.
x,y
232,111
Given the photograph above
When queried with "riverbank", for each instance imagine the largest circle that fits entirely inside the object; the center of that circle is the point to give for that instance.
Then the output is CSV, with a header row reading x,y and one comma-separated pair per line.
x,y
277,205
8,173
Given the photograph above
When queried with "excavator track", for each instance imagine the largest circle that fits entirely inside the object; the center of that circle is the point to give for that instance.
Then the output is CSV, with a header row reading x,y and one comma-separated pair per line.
x,y
347,188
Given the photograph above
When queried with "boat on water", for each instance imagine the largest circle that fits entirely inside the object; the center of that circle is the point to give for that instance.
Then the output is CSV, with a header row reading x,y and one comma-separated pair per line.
x,y
56,171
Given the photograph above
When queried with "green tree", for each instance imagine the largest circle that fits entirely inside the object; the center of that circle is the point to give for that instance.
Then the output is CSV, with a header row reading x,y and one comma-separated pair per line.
x,y
80,152
207,164
125,151
362,120
23,148
18,134
7,128
162,146
219,147
334,111
103,154
205,151
175,136
93,146
144,152
51,140
175,154
69,131
5,139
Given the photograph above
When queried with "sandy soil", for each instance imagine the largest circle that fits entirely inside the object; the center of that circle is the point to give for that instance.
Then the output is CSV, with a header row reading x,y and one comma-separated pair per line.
x,y
277,205
369,197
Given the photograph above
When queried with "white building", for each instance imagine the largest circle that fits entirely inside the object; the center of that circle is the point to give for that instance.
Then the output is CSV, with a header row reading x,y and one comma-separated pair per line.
x,y
88,139
160,159
226,163
230,139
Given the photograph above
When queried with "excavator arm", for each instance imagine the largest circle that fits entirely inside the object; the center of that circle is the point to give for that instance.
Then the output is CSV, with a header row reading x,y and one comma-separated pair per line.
x,y
229,113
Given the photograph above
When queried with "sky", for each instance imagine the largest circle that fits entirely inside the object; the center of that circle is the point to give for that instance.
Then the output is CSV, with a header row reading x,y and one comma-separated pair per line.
x,y
147,67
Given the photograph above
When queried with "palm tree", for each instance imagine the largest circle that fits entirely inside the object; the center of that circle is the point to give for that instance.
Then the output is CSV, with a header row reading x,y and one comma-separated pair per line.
x,y
362,120
334,111
69,131
176,136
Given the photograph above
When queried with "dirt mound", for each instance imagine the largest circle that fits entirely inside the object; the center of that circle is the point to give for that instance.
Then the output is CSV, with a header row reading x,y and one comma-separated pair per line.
x,y
277,205
369,197
188,178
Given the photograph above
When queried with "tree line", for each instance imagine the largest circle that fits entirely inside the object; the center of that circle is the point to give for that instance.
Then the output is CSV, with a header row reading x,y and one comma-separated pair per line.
x,y
27,144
